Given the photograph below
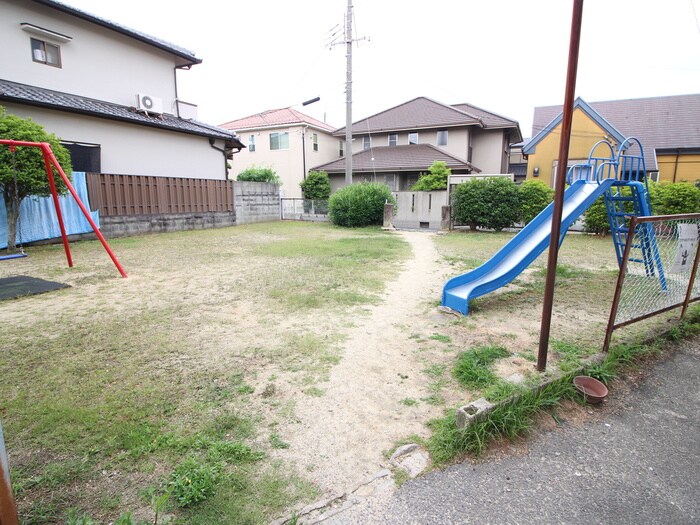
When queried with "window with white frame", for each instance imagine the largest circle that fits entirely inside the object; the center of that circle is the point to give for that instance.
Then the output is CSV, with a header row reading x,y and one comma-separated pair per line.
x,y
413,137
314,140
393,139
341,148
442,137
366,142
279,141
45,53
251,143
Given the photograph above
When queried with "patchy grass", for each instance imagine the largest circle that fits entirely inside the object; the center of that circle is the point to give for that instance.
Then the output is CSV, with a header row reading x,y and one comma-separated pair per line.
x,y
473,367
516,417
190,358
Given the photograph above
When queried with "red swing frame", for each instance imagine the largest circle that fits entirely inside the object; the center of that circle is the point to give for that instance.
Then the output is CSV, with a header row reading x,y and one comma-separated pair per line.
x,y
50,162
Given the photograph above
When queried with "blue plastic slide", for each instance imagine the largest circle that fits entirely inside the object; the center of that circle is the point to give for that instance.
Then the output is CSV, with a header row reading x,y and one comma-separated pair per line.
x,y
522,249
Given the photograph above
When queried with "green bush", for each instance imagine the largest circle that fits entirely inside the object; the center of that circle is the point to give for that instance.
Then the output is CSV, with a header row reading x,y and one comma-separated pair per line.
x,y
316,186
488,203
595,218
673,198
359,204
534,197
435,179
255,174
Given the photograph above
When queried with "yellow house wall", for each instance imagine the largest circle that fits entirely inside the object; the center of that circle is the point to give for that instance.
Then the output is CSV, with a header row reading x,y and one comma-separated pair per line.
x,y
584,134
685,169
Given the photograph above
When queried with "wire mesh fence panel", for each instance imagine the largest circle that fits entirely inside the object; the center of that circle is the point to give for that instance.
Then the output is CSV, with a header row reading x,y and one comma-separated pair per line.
x,y
660,262
304,209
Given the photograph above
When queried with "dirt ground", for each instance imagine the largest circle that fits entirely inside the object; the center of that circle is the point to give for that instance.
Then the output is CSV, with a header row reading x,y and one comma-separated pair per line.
x,y
388,370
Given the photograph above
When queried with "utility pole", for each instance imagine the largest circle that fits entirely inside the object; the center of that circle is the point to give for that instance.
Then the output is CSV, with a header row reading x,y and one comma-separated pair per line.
x,y
348,96
348,40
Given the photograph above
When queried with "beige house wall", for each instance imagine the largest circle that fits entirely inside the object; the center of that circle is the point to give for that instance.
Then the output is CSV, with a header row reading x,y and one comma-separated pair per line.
x,y
489,151
288,163
457,140
98,63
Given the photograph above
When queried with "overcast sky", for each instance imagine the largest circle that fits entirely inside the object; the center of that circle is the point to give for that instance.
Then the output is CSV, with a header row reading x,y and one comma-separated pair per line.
x,y
506,56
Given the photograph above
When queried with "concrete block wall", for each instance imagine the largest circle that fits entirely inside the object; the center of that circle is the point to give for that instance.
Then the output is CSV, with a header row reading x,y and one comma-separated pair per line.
x,y
256,202
127,225
419,209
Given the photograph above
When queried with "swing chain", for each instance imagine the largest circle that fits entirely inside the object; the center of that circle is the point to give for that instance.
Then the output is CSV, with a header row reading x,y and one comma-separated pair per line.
x,y
13,150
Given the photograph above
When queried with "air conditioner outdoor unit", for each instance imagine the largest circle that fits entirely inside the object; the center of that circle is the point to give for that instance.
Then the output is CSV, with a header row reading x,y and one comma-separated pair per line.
x,y
149,104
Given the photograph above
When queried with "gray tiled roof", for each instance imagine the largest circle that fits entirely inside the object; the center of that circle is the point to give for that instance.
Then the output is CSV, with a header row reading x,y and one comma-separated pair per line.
x,y
414,157
187,55
418,113
489,119
659,122
35,96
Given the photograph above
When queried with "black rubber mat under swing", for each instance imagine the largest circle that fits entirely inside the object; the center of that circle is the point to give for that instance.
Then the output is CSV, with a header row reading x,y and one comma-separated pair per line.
x,y
23,285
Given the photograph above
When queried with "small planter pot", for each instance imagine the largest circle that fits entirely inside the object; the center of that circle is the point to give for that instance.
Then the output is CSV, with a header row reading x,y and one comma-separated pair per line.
x,y
593,391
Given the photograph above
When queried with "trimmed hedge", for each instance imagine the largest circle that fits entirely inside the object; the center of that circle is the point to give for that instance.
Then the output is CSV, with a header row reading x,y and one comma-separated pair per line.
x,y
487,203
535,196
359,204
255,174
316,186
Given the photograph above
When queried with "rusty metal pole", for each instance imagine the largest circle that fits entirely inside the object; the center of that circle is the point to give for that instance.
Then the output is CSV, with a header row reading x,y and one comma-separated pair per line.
x,y
8,507
559,184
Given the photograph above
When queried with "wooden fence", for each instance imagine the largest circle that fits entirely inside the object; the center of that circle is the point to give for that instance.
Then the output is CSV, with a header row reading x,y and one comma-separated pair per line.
x,y
119,195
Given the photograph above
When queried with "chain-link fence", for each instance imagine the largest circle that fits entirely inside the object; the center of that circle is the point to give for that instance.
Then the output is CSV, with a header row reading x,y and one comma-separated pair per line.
x,y
659,269
304,209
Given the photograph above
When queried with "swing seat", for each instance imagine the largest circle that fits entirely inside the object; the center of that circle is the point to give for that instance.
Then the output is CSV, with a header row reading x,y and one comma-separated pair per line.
x,y
13,256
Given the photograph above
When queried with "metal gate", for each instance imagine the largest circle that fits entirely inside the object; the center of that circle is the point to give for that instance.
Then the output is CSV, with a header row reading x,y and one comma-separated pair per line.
x,y
304,210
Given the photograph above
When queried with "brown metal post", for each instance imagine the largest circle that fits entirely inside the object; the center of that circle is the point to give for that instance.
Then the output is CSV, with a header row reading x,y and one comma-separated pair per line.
x,y
620,282
8,507
559,184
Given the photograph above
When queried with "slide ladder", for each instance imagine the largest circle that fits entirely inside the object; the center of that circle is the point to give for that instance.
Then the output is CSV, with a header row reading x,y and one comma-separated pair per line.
x,y
631,198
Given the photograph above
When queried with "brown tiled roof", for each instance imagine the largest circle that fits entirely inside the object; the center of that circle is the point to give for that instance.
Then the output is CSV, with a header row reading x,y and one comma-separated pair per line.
x,y
418,113
414,157
658,122
490,120
273,118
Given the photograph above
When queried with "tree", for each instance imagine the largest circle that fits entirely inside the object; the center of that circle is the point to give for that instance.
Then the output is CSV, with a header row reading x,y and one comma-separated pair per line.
x,y
255,174
23,173
435,179
317,186
535,196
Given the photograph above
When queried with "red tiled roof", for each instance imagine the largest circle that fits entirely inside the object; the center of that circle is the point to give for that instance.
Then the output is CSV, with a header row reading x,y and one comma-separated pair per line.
x,y
414,157
274,118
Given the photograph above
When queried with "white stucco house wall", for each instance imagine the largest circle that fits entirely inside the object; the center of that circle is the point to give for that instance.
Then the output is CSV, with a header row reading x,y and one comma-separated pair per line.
x,y
285,140
108,91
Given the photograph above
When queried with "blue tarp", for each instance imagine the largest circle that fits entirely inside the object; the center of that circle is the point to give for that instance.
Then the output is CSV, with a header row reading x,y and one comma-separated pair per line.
x,y
37,215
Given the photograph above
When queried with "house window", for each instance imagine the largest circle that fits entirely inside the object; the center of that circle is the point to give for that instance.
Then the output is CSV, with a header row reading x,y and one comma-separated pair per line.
x,y
413,137
341,148
314,139
84,157
366,142
393,139
251,143
442,137
279,140
46,53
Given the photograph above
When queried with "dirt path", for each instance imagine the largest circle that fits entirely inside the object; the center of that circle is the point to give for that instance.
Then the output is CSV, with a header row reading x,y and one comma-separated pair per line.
x,y
342,435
